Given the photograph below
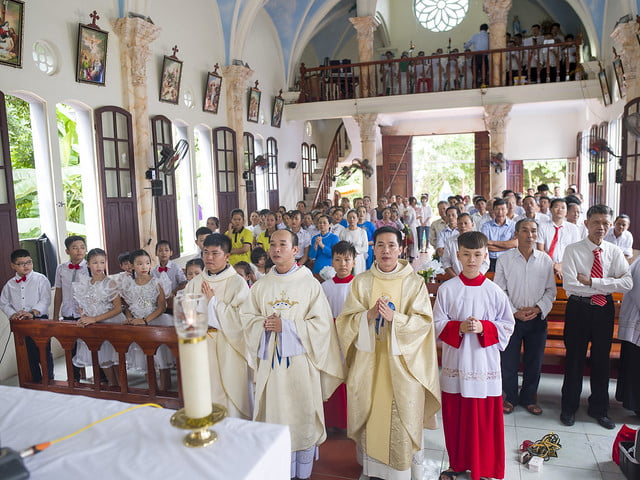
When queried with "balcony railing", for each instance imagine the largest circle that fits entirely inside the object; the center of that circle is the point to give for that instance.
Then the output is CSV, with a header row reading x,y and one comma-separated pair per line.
x,y
543,63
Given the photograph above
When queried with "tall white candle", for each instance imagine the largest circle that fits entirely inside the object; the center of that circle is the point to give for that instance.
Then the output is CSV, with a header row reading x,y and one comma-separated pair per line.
x,y
194,375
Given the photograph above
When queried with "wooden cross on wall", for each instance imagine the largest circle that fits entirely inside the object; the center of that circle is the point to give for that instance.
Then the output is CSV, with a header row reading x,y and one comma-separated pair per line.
x,y
175,50
94,17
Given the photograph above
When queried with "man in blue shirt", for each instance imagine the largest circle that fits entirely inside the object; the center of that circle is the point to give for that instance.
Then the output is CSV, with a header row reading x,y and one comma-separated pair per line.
x,y
480,42
500,232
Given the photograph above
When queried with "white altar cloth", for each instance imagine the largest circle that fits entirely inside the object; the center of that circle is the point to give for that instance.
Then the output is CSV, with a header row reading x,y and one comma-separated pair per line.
x,y
140,444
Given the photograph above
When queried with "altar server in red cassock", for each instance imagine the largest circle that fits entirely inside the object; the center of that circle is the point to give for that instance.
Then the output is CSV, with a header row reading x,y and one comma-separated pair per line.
x,y
473,321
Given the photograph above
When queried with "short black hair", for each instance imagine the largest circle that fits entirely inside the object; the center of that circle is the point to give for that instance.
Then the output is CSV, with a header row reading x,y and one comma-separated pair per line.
x,y
124,257
623,216
294,237
94,252
163,242
19,253
496,203
441,202
195,261
258,253
218,240
343,248
203,231
74,238
464,214
138,253
473,240
237,211
544,197
453,207
244,266
387,229
599,209
558,200
216,220
484,27
293,213
543,187
522,221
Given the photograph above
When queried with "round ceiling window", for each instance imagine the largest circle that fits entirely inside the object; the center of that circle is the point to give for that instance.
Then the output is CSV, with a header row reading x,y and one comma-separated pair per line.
x,y
440,15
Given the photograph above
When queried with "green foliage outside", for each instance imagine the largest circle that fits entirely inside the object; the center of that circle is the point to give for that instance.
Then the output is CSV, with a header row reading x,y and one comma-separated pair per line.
x,y
25,174
551,172
351,184
441,161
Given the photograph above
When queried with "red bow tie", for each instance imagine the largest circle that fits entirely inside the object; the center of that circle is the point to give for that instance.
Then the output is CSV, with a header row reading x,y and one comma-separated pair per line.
x,y
163,269
74,267
21,279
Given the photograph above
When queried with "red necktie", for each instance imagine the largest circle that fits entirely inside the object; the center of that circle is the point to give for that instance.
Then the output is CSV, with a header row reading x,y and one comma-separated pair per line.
x,y
21,279
554,242
596,272
74,267
163,269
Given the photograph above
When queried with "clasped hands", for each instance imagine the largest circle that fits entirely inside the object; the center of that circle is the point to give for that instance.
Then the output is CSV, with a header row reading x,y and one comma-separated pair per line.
x,y
208,291
527,313
23,315
273,323
381,308
584,279
471,325
85,321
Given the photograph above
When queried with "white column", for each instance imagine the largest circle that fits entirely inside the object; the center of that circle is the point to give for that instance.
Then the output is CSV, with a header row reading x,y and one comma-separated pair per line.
x,y
368,134
495,119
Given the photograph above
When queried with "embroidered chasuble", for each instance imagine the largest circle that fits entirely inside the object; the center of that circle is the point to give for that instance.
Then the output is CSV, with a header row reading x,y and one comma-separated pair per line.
x,y
228,355
392,381
299,368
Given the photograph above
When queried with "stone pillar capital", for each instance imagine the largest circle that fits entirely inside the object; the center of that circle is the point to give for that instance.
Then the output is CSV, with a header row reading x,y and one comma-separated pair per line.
x,y
365,26
625,36
368,123
495,117
497,10
235,80
136,35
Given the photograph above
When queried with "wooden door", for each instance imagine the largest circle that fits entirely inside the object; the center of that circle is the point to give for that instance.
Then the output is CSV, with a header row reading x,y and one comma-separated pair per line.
x,y
167,203
515,175
114,144
598,165
272,174
482,159
8,218
249,173
224,140
630,188
397,166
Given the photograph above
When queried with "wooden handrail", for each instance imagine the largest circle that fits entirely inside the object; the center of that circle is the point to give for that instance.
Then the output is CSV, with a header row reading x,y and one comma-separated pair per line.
x,y
449,71
330,166
120,336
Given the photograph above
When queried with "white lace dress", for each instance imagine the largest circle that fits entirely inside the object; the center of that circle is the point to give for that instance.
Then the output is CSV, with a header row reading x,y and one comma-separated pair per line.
x,y
142,301
96,299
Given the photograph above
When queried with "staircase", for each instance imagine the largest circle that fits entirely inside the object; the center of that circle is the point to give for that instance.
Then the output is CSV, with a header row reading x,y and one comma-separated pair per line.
x,y
322,178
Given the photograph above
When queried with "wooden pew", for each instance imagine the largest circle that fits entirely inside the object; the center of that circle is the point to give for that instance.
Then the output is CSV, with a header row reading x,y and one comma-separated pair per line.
x,y
120,336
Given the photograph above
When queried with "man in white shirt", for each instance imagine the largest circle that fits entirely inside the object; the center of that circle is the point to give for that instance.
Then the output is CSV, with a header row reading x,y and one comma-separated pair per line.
x,y
592,270
304,239
554,236
526,276
449,259
481,215
423,213
480,42
450,230
438,225
620,235
530,206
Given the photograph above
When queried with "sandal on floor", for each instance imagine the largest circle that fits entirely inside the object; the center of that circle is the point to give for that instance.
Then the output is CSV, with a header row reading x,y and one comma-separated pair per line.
x,y
448,475
534,409
507,407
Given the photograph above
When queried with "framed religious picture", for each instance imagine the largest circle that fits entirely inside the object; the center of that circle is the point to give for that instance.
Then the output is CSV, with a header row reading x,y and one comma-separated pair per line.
x,y
253,111
278,106
170,80
11,32
604,88
91,62
619,71
212,91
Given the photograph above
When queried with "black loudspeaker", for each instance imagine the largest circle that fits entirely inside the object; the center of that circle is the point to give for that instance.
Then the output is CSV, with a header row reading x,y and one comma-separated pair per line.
x,y
592,177
619,176
156,188
250,186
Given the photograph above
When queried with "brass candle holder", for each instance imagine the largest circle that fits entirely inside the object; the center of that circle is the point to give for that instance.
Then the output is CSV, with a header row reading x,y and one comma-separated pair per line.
x,y
201,436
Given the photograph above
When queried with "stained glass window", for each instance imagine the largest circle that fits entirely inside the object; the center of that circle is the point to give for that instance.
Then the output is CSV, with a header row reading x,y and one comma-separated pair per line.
x,y
440,15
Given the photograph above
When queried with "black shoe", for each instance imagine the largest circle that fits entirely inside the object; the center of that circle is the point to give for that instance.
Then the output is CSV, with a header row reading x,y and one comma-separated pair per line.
x,y
605,422
568,419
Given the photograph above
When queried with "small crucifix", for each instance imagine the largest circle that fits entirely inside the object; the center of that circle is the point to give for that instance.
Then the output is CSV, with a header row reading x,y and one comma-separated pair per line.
x,y
174,50
256,85
94,17
215,69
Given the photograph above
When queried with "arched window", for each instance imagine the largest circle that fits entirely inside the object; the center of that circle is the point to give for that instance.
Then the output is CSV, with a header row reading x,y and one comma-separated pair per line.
x,y
272,173
440,15
249,174
313,152
306,165
225,161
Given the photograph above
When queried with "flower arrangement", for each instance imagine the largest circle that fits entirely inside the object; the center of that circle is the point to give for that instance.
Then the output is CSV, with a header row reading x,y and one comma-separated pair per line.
x,y
407,234
430,269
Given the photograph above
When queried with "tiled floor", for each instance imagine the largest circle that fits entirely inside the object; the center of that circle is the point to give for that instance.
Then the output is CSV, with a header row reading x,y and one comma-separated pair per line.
x,y
585,452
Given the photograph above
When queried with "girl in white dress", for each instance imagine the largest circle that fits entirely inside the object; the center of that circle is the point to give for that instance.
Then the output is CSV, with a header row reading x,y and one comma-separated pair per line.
x,y
358,238
99,301
145,298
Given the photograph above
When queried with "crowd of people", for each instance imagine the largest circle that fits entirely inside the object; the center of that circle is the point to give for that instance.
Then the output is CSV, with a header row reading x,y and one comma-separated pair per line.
x,y
456,70
317,319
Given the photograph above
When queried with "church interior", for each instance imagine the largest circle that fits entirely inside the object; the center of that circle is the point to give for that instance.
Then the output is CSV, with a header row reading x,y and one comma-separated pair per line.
x,y
137,133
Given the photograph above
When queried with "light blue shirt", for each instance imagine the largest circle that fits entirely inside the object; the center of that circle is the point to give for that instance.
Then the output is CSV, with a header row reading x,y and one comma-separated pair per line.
x,y
498,233
479,41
